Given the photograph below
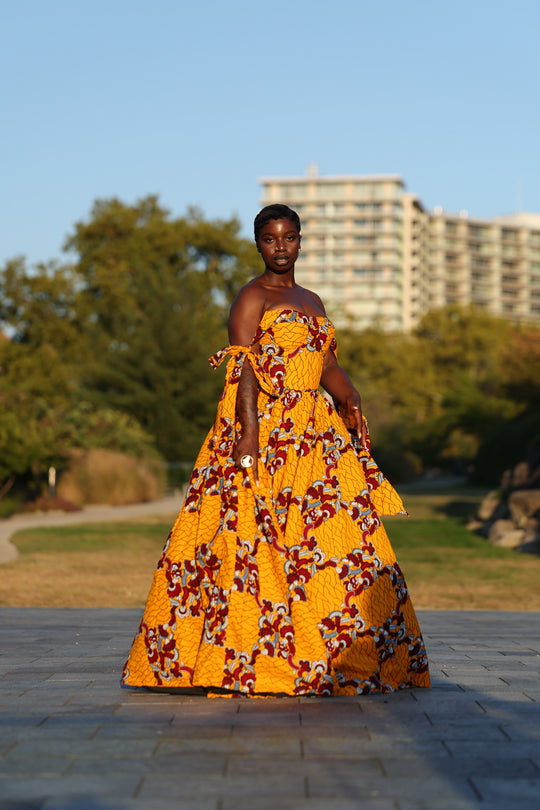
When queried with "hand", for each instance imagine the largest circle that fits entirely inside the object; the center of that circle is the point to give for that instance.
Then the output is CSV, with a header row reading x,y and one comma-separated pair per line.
x,y
248,446
354,418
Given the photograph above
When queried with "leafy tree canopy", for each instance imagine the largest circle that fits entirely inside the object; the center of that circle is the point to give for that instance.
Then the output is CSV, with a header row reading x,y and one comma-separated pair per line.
x,y
154,298
435,395
111,349
125,327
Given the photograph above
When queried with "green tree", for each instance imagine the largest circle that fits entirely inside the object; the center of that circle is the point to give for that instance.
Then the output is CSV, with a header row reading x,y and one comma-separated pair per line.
x,y
155,294
112,348
32,380
433,396
465,348
513,440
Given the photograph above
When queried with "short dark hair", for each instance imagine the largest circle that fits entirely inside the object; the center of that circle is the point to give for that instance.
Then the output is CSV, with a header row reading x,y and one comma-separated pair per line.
x,y
275,211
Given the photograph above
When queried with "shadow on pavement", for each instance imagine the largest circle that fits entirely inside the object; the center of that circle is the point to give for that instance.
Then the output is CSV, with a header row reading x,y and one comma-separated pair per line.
x,y
70,737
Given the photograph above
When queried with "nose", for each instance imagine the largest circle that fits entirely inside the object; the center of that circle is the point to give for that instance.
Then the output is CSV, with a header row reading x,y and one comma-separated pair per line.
x,y
280,244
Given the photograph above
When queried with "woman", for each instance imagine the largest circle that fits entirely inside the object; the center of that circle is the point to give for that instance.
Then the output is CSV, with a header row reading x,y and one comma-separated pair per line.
x,y
278,576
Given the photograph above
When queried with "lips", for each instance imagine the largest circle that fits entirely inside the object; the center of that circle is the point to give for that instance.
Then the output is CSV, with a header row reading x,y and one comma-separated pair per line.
x,y
281,258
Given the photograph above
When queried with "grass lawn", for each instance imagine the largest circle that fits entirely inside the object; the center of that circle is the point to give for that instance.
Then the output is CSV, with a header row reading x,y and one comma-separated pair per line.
x,y
92,565
111,564
447,566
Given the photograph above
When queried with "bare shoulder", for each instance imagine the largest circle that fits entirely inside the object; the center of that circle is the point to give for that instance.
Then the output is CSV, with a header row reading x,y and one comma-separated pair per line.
x,y
317,300
250,298
246,312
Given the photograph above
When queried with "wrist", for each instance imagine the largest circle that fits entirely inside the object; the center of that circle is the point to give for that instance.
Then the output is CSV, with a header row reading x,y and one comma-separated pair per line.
x,y
250,431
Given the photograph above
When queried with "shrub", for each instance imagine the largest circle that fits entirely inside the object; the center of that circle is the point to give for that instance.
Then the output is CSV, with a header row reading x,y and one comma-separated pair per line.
x,y
108,477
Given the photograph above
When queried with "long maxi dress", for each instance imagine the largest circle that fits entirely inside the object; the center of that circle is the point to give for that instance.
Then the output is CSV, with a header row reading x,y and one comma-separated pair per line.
x,y
292,587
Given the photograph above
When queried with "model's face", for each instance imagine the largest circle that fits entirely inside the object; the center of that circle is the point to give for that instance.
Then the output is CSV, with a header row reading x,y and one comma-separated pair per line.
x,y
278,244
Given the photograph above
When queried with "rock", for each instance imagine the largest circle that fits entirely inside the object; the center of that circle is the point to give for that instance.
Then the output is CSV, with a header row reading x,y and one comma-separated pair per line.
x,y
499,528
504,534
475,525
531,536
488,506
500,512
512,519
532,530
512,539
520,474
531,546
523,504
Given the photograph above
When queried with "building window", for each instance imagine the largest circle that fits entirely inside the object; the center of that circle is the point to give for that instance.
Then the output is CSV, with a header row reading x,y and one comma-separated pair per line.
x,y
478,232
292,191
330,191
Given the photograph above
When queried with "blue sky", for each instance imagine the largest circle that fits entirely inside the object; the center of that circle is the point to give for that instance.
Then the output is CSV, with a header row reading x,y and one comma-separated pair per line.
x,y
196,101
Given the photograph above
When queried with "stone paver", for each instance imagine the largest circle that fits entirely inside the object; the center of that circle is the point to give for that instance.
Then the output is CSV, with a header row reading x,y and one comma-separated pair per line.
x,y
70,737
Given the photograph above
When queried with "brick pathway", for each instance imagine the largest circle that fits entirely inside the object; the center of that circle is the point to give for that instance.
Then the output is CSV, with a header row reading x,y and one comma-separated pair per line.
x,y
71,738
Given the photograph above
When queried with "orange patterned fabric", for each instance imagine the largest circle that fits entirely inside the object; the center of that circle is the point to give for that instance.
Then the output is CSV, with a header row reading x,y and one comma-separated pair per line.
x,y
291,588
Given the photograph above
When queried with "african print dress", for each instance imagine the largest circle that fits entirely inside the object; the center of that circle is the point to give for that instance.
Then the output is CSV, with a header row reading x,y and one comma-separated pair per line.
x,y
292,587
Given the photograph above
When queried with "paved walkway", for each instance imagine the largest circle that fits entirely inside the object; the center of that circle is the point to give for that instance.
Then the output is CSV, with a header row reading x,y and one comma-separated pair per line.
x,y
71,738
90,514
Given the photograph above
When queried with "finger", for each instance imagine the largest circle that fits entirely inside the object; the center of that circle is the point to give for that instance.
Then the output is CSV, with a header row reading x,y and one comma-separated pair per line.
x,y
364,434
357,416
252,477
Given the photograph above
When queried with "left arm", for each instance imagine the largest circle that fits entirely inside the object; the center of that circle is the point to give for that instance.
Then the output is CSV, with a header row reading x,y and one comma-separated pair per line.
x,y
337,383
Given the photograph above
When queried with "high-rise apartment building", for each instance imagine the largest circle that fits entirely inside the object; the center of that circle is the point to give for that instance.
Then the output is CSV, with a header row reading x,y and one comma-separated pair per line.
x,y
375,255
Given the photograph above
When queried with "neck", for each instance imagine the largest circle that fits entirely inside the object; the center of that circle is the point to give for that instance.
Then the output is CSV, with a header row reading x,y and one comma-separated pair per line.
x,y
273,279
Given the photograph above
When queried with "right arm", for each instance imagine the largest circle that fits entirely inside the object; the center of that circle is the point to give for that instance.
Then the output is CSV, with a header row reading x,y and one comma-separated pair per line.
x,y
244,319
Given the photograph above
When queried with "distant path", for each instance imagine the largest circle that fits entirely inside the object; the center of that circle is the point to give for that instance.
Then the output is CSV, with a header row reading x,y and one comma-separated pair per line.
x,y
90,514
164,506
